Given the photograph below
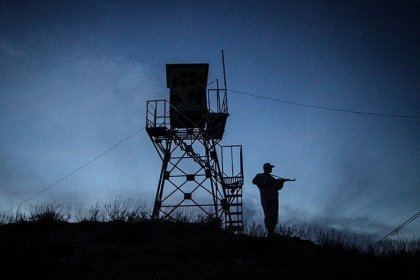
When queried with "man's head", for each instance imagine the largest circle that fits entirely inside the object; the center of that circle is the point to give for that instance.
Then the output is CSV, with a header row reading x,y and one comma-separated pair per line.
x,y
268,167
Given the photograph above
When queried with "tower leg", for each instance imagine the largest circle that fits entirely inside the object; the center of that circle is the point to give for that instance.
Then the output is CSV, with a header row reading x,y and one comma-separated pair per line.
x,y
213,182
158,199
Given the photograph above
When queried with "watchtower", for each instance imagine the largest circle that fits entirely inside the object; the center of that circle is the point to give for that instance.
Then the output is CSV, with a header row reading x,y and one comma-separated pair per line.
x,y
199,177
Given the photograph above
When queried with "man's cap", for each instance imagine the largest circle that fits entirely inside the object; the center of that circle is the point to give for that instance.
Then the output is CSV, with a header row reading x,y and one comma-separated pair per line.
x,y
266,165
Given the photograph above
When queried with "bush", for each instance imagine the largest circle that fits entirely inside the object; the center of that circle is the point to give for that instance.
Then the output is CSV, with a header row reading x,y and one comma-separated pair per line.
x,y
124,211
116,211
396,247
49,213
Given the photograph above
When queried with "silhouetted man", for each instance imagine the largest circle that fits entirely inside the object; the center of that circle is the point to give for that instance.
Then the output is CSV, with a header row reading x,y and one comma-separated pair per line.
x,y
269,188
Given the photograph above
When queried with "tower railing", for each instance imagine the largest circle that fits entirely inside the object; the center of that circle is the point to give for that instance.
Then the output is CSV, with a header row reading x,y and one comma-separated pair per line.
x,y
216,103
157,114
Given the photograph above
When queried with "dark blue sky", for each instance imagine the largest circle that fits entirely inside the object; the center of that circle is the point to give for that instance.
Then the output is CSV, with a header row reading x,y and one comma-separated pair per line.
x,y
75,77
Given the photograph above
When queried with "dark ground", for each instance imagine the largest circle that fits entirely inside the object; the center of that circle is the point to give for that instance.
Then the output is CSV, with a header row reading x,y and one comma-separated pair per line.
x,y
147,250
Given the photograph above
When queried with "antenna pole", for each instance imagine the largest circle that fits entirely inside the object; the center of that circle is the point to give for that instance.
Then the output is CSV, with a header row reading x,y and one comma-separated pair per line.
x,y
225,106
218,96
224,69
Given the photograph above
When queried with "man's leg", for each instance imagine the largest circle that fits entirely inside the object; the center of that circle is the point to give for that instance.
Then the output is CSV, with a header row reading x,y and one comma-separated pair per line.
x,y
270,217
270,230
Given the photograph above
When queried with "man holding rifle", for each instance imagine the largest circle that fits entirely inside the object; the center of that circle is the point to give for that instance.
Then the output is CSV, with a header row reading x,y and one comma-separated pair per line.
x,y
269,187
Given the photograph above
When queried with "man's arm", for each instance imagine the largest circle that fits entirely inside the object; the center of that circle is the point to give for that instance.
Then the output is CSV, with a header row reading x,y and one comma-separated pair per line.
x,y
280,182
262,180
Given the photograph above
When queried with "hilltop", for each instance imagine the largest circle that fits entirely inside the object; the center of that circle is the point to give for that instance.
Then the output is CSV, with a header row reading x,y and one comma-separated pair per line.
x,y
167,250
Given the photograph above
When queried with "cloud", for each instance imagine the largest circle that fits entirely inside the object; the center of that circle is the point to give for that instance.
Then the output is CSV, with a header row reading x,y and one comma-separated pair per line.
x,y
75,110
353,224
252,211
9,49
15,181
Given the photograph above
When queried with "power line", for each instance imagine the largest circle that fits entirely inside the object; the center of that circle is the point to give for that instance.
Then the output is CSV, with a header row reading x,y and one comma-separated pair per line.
x,y
325,108
397,229
75,170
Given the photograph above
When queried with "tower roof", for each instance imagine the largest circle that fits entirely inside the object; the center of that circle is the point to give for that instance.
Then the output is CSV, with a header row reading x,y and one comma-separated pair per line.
x,y
187,75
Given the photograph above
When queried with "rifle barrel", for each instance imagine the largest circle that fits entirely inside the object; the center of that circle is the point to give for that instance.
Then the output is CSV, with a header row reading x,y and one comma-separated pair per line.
x,y
278,177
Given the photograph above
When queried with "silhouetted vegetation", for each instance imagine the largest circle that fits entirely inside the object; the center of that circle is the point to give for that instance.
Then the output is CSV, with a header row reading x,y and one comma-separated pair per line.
x,y
119,241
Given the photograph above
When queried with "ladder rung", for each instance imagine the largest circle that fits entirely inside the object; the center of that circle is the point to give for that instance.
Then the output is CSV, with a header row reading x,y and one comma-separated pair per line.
x,y
232,220
232,186
240,222
236,228
233,195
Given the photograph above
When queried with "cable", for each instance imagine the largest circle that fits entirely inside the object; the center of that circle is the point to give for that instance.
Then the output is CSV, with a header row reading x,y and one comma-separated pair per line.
x,y
325,108
397,229
75,170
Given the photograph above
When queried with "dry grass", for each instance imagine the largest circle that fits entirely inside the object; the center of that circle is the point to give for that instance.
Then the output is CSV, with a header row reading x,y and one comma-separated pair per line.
x,y
118,240
128,212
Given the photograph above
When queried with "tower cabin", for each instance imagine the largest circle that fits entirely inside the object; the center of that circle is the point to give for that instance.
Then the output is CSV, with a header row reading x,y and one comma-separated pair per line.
x,y
192,106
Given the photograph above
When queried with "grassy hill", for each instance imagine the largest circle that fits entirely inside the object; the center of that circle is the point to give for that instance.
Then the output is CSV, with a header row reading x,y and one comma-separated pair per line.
x,y
144,249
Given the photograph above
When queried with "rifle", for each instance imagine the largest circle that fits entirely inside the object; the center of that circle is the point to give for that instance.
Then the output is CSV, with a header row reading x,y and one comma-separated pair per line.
x,y
283,179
